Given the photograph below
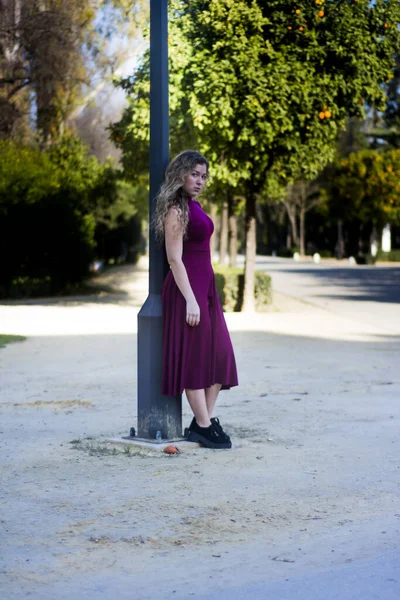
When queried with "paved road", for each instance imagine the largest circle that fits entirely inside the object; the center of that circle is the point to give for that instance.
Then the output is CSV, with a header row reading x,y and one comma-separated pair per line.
x,y
368,294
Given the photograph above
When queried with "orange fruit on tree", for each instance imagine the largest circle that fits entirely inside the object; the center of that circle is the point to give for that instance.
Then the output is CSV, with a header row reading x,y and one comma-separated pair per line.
x,y
321,115
328,114
301,28
298,11
321,13
289,28
386,26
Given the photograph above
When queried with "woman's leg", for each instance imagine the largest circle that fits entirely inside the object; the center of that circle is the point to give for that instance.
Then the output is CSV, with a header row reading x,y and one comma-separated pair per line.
x,y
198,404
211,397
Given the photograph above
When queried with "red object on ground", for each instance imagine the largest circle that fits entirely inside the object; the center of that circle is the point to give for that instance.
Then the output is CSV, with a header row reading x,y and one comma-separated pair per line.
x,y
171,449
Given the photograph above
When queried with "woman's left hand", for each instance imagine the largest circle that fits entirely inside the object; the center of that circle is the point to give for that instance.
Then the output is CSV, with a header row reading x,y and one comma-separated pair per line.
x,y
192,313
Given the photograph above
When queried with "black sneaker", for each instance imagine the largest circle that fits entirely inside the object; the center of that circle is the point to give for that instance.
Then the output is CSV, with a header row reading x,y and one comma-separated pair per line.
x,y
208,436
217,426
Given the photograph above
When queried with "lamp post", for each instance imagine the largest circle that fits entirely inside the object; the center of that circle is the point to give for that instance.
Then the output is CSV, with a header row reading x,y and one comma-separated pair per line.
x,y
155,411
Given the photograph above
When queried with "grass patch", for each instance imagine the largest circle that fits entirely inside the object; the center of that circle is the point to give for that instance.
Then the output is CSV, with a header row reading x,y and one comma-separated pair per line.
x,y
8,339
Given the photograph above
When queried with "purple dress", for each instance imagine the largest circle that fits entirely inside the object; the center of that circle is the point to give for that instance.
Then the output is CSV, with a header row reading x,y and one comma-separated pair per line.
x,y
195,357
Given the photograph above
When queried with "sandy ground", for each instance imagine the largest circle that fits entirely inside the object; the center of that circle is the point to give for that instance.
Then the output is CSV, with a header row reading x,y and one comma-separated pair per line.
x,y
312,481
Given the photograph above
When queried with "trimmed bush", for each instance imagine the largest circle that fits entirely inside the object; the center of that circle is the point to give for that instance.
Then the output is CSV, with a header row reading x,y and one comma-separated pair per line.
x,y
392,256
230,285
263,290
287,252
48,244
59,210
365,259
325,253
227,282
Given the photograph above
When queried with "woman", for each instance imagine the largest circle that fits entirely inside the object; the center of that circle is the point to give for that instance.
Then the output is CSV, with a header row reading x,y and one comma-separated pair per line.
x,y
197,351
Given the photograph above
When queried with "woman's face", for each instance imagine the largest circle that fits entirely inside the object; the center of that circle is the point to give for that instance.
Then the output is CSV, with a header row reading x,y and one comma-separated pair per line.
x,y
195,181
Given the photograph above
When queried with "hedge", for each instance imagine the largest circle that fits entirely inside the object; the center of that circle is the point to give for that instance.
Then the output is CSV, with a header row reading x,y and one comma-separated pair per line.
x,y
230,285
286,252
392,256
365,259
59,210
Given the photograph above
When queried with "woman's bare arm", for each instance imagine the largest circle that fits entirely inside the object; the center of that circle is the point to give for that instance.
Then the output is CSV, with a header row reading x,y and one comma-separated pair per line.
x,y
174,248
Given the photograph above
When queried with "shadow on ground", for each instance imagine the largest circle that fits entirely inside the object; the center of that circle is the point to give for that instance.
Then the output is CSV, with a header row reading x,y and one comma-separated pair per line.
x,y
371,284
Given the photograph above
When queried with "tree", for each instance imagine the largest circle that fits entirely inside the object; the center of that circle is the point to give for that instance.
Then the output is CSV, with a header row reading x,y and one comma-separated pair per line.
x,y
54,207
41,50
366,186
302,196
270,85
392,112
46,233
99,191
265,87
49,51
384,127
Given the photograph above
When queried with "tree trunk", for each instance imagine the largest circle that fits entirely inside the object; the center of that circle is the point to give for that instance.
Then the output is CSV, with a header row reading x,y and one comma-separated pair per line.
x,y
360,239
339,249
291,212
288,238
250,263
302,231
232,233
213,240
223,240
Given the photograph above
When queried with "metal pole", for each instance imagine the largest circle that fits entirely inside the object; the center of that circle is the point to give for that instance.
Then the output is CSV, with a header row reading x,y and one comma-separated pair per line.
x,y
156,412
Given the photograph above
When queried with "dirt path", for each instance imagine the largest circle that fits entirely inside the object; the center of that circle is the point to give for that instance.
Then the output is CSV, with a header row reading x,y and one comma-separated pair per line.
x,y
312,480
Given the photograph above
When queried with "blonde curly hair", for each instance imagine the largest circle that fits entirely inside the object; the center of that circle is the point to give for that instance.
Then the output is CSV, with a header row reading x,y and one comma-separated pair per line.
x,y
172,193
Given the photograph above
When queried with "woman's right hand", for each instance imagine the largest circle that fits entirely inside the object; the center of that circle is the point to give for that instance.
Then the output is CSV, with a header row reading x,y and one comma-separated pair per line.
x,y
192,313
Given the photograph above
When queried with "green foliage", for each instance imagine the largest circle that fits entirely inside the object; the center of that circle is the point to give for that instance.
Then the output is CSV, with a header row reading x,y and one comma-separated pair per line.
x,y
264,85
26,175
366,186
227,283
392,112
132,133
392,256
269,84
287,252
263,88
262,291
325,253
50,241
230,284
76,170
365,259
54,207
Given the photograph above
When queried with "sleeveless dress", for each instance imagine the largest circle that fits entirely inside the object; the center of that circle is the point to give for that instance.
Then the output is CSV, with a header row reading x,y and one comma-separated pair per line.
x,y
195,357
